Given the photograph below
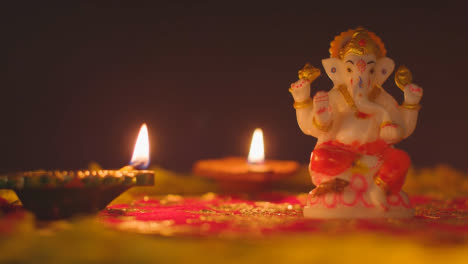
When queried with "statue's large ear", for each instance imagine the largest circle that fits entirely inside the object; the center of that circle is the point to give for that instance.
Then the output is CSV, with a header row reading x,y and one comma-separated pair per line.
x,y
383,68
334,69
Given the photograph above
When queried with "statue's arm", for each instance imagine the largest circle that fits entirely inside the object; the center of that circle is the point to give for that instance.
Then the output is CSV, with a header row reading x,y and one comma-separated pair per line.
x,y
410,108
313,115
404,116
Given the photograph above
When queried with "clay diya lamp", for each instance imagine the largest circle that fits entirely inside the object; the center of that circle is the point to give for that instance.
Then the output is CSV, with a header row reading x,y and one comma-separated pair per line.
x,y
61,194
241,175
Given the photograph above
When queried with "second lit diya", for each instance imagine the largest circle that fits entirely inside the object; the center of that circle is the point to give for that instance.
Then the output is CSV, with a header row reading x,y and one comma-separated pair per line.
x,y
237,174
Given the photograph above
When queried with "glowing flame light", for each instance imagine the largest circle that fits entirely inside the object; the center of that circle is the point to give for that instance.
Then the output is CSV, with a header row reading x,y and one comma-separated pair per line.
x,y
140,157
257,152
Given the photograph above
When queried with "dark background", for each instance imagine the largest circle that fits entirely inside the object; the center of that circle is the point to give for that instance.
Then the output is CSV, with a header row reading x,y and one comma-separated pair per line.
x,y
80,80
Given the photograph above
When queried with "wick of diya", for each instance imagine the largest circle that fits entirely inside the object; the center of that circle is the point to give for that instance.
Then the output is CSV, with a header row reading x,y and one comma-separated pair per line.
x,y
140,156
256,157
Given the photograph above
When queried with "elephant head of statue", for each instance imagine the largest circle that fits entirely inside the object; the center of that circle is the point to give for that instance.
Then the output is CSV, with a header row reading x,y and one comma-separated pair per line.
x,y
358,62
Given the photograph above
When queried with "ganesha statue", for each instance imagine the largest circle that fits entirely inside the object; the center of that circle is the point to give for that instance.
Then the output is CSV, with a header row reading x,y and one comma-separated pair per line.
x,y
357,171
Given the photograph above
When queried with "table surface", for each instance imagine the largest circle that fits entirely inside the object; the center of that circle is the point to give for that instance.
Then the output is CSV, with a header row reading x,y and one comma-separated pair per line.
x,y
179,221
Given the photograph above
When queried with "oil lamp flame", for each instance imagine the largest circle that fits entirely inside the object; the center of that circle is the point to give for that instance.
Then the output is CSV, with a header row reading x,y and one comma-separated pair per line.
x,y
257,152
140,157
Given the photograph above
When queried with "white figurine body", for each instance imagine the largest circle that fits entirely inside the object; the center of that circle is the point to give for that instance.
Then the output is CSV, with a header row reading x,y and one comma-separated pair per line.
x,y
357,171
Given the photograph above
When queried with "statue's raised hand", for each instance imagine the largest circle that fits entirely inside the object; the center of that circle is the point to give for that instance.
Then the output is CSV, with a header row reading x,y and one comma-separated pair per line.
x,y
413,94
300,90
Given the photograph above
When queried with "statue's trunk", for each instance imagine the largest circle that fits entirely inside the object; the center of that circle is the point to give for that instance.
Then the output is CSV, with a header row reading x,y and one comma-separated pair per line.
x,y
360,91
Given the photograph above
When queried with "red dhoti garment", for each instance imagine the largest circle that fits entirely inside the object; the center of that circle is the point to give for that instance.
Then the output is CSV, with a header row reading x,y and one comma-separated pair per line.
x,y
333,157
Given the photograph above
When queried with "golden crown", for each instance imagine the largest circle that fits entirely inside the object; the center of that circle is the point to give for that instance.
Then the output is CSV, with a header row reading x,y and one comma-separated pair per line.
x,y
357,41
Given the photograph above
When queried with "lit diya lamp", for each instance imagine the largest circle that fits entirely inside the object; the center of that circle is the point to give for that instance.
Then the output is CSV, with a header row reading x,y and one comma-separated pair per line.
x,y
238,174
61,194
